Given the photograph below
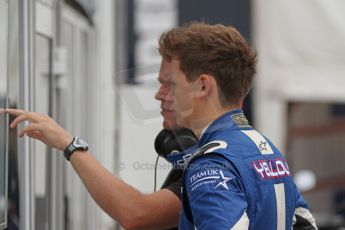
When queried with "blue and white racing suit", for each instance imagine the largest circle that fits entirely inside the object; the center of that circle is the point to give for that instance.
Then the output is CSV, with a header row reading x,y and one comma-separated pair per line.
x,y
238,179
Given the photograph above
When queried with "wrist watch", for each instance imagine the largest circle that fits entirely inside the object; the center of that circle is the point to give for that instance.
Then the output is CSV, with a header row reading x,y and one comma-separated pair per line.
x,y
77,144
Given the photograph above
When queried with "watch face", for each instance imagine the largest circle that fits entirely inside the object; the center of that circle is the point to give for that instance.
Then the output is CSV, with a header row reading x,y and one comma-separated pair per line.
x,y
80,143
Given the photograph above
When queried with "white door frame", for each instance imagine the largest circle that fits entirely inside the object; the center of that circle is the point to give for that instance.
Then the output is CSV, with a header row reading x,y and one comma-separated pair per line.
x,y
83,207
3,70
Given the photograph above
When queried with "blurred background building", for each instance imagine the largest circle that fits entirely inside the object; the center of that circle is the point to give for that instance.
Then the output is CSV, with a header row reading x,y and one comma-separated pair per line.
x,y
93,66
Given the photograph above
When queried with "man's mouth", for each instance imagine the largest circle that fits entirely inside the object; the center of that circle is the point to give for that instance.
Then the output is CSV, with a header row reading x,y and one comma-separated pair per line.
x,y
167,111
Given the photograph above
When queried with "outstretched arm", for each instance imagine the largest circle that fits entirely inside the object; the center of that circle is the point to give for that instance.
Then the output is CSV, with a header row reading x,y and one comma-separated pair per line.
x,y
125,204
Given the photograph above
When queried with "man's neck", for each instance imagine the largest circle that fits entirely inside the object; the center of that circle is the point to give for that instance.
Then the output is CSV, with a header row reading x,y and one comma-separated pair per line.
x,y
207,117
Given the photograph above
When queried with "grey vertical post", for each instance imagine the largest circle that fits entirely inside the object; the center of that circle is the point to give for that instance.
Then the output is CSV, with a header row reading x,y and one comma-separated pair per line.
x,y
26,195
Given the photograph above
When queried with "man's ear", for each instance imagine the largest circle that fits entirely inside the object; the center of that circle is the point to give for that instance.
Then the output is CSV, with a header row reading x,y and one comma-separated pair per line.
x,y
206,82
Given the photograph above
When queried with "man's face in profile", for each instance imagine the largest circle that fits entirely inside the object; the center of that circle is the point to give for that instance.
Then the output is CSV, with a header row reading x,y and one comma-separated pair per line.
x,y
169,117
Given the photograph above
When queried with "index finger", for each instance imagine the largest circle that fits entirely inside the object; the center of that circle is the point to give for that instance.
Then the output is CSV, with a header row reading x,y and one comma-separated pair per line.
x,y
14,112
22,115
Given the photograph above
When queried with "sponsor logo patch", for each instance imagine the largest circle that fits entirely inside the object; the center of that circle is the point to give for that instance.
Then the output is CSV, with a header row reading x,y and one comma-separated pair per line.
x,y
214,177
271,169
240,120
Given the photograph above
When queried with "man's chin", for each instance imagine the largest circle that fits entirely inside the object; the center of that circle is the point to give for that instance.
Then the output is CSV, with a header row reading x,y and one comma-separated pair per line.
x,y
170,125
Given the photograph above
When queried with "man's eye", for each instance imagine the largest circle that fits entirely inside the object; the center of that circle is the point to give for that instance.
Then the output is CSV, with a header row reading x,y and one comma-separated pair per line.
x,y
165,85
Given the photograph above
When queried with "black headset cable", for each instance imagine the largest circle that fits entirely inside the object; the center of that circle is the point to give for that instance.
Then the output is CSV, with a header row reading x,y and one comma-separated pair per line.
x,y
155,177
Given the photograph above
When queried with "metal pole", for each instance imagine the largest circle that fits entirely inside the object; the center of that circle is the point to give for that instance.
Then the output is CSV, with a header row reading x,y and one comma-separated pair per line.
x,y
26,194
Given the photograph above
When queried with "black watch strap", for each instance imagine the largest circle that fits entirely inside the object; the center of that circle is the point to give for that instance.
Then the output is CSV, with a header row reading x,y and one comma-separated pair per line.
x,y
77,144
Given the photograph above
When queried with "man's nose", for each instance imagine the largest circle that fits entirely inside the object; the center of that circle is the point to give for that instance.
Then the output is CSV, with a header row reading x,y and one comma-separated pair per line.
x,y
160,94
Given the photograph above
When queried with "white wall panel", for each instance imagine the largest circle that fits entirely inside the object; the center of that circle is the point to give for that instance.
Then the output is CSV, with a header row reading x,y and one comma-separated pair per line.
x,y
301,57
139,127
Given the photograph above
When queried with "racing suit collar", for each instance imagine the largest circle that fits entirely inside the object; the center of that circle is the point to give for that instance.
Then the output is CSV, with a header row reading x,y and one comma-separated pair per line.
x,y
233,119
